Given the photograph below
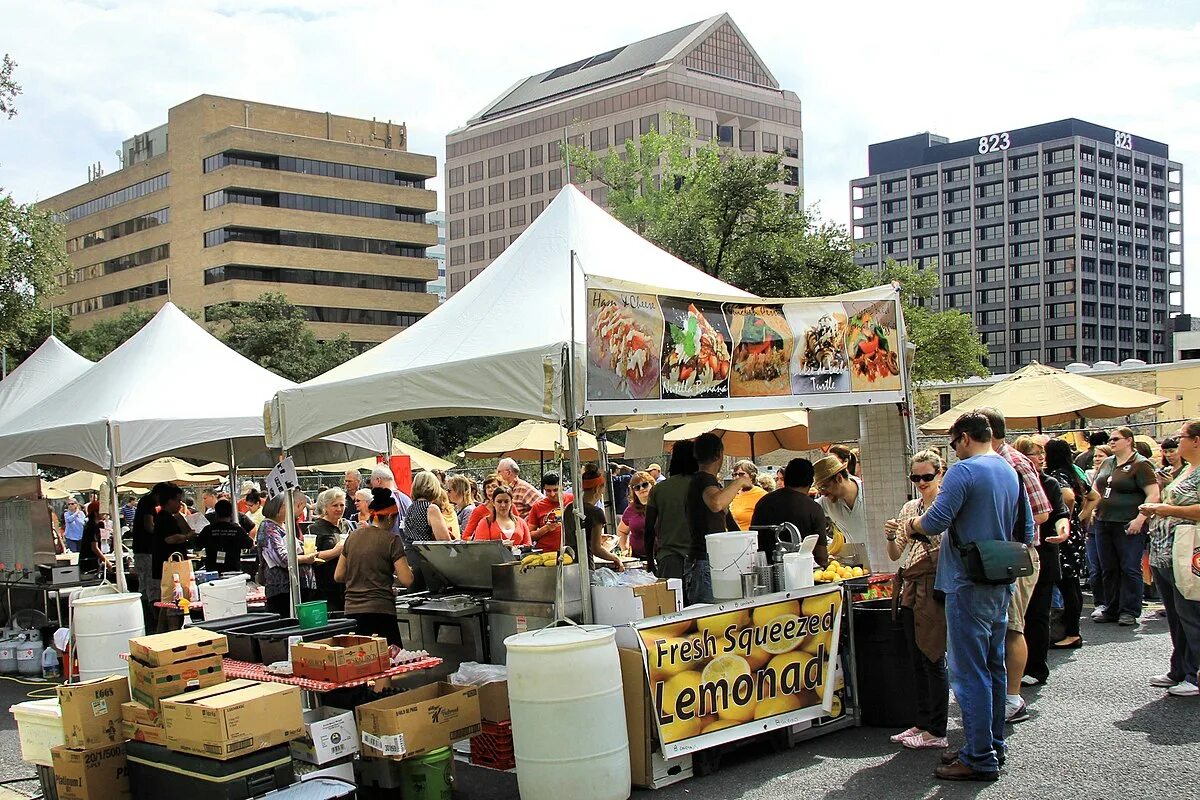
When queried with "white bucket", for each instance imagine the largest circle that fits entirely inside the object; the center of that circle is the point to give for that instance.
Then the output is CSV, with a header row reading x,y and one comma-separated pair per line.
x,y
798,570
39,725
568,714
729,555
103,626
225,597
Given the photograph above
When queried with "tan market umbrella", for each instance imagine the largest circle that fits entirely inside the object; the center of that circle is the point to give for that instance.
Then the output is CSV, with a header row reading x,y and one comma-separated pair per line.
x,y
80,481
754,436
534,441
1037,395
170,469
51,493
421,460
217,468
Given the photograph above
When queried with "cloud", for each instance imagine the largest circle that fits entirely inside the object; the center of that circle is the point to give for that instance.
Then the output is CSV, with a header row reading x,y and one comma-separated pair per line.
x,y
95,73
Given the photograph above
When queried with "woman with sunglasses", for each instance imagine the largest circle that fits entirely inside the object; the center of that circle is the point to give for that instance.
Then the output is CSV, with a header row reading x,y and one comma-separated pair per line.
x,y
631,530
1125,482
923,616
742,507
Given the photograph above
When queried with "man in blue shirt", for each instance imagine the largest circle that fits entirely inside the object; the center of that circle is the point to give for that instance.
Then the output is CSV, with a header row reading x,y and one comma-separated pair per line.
x,y
979,497
73,520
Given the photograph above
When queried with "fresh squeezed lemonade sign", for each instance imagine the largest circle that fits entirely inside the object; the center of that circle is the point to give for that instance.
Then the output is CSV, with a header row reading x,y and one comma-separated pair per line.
x,y
725,674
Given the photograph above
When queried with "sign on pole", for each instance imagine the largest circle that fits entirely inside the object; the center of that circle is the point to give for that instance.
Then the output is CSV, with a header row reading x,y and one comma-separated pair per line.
x,y
282,477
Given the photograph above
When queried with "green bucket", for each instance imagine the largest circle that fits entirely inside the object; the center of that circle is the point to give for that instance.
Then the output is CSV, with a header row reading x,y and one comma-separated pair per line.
x,y
313,614
429,777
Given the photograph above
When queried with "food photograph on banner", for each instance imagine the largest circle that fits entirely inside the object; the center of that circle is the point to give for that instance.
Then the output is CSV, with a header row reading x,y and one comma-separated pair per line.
x,y
873,345
762,347
819,365
720,673
625,340
695,354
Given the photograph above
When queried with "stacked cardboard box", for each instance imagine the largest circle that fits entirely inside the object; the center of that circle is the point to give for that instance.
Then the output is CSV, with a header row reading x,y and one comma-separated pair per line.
x,y
90,765
164,665
233,719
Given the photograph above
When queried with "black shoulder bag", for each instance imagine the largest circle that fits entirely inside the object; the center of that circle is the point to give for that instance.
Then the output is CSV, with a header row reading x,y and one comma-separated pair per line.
x,y
998,561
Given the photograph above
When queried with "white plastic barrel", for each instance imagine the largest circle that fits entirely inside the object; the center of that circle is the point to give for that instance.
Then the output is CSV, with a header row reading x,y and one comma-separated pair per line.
x,y
729,555
568,714
798,570
39,725
103,625
225,597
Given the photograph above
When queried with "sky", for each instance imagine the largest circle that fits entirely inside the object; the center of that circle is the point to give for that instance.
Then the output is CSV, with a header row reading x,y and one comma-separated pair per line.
x,y
95,73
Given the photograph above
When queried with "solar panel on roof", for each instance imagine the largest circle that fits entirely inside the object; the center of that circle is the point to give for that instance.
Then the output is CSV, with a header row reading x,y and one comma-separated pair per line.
x,y
603,58
567,69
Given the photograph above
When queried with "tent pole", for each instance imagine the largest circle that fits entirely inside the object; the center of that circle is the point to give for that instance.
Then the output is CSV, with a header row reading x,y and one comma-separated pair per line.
x,y
610,498
234,489
910,420
118,548
583,557
752,458
293,562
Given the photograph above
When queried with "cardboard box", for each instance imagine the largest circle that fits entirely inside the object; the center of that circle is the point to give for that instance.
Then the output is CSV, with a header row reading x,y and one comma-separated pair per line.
x,y
340,659
151,734
233,719
184,644
91,711
620,605
135,712
149,685
415,722
493,702
96,774
329,734
647,767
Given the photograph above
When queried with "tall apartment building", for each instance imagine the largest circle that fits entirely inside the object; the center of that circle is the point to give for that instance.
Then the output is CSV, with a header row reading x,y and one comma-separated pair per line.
x,y
1064,241
506,163
230,199
437,286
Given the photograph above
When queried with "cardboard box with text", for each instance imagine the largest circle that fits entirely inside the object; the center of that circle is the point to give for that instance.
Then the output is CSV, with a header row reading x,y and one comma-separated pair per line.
x,y
340,659
91,711
415,722
160,649
233,719
99,773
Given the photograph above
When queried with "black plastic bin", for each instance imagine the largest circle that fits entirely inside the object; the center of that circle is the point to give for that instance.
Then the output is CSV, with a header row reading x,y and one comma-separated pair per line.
x,y
226,624
156,773
273,644
243,646
887,686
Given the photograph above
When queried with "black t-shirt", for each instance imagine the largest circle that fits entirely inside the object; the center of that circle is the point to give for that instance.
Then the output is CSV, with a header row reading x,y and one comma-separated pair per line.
x,y
593,517
245,522
87,556
143,532
789,505
703,520
166,525
327,536
223,543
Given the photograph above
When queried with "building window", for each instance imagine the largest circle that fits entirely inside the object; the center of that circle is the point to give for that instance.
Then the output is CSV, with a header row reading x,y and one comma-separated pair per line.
x,y
516,161
140,189
496,220
119,298
121,263
458,257
516,188
305,202
475,171
311,166
555,179
456,202
476,224
516,216
956,174
475,198
455,177
320,241
704,129
496,246
554,149
495,193
477,252
648,123
457,229
535,183
535,209
495,166
458,280
600,195
725,135
599,139
623,133
129,226
770,142
791,147
535,155
312,277
746,140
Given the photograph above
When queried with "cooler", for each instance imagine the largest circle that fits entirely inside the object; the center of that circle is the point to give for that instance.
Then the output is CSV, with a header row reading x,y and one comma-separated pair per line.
x,y
156,773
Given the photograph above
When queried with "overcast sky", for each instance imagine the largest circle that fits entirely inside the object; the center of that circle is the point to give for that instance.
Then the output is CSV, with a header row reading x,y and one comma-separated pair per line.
x,y
94,73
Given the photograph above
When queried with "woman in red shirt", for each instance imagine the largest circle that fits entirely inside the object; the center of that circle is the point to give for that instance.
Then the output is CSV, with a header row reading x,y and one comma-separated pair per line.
x,y
484,509
502,523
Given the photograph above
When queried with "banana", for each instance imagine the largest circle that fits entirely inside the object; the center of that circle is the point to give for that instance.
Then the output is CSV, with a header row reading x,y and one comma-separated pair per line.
x,y
535,558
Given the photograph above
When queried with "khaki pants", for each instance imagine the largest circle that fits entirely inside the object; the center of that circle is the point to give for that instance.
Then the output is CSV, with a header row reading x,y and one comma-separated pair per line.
x,y
1022,592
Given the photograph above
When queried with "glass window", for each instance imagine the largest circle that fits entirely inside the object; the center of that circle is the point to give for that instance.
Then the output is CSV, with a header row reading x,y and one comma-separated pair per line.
x,y
554,177
791,147
535,183
555,150
516,216
704,129
129,226
457,229
456,202
475,198
770,142
475,171
496,220
599,139
112,199
516,188
456,177
476,226
535,155
725,135
648,123
516,161
746,140
623,133
495,193
495,166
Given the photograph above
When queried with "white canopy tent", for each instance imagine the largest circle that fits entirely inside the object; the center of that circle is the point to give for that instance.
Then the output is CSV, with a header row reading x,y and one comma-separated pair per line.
x,y
132,406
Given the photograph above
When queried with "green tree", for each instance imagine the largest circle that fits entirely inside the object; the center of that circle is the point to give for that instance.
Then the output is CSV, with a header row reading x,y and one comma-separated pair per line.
x,y
722,212
108,334
275,334
9,88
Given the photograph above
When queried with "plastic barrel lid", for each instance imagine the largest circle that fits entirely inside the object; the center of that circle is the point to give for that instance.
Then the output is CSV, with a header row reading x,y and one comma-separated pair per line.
x,y
566,637
103,599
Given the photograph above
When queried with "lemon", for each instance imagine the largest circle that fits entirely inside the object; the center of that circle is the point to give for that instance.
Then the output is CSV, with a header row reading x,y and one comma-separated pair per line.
x,y
729,667
819,605
664,667
811,643
837,707
717,624
764,614
678,729
779,704
758,658
719,724
785,644
857,572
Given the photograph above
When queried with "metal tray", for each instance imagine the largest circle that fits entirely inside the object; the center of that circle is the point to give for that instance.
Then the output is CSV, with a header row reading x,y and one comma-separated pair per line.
x,y
535,584
466,565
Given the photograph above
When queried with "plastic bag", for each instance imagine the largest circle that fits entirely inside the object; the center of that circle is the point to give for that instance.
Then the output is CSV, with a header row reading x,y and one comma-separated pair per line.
x,y
603,576
636,577
472,673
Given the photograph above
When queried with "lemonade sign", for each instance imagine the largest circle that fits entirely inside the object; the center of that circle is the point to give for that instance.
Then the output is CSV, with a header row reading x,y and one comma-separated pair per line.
x,y
720,673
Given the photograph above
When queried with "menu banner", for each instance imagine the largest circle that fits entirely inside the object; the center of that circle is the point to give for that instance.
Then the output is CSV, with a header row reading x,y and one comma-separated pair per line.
x,y
721,673
721,354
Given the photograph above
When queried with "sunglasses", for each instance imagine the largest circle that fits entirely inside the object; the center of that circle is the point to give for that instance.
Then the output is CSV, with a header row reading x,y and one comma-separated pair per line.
x,y
641,486
921,478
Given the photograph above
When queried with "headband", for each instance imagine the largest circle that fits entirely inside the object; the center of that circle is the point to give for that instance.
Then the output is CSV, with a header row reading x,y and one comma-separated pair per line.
x,y
592,483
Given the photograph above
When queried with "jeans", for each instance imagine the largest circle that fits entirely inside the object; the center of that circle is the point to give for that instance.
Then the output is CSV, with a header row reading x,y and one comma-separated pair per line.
x,y
1183,620
671,565
976,622
933,690
1121,568
73,545
1095,582
697,585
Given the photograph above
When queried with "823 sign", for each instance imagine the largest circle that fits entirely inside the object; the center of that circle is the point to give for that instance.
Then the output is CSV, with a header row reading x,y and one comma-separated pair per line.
x,y
1122,139
994,143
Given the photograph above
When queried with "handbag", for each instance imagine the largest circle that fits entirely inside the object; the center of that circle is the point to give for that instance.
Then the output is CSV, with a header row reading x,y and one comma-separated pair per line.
x,y
1185,561
997,562
176,565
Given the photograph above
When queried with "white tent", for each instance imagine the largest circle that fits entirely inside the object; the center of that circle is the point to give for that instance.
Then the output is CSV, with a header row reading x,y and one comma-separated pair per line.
x,y
48,369
497,346
137,404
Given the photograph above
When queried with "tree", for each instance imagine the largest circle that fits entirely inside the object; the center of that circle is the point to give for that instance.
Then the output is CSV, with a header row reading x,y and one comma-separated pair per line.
x,y
9,88
108,334
722,213
274,334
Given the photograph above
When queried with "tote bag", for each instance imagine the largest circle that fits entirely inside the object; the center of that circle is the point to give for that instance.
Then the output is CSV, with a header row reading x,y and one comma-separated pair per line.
x,y
1185,558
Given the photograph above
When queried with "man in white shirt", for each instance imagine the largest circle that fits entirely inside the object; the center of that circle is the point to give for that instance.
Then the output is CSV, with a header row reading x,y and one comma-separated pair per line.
x,y
382,477
841,499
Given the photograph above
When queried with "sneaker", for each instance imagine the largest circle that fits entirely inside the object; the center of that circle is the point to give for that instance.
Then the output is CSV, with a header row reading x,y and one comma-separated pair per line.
x,y
919,742
1127,619
1029,680
1101,615
959,771
913,731
1019,714
1184,689
1163,681
950,756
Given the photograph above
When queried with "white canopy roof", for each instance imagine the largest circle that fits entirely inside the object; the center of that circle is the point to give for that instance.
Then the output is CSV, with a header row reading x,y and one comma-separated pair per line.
x,y
48,369
155,409
495,347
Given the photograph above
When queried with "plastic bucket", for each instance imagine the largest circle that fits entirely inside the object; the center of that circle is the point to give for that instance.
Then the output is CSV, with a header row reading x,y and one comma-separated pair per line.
x,y
429,777
568,714
730,555
798,570
39,725
313,614
103,626
225,597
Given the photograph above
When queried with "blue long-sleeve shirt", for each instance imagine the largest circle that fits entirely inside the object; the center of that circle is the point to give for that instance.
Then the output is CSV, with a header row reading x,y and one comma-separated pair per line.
x,y
979,496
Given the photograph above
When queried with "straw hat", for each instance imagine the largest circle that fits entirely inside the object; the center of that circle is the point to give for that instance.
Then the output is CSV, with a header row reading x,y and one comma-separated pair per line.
x,y
826,468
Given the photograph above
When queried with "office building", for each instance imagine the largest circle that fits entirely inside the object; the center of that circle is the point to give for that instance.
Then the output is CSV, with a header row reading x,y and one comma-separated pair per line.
x,y
230,199
437,286
1064,241
506,163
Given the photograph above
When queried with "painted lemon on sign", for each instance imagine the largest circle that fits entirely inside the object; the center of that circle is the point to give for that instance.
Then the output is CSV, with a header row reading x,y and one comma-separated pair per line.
x,y
764,614
719,724
662,664
717,624
729,668
678,729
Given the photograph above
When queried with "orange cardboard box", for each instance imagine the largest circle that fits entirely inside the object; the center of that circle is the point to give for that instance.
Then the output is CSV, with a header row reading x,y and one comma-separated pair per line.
x,y
340,659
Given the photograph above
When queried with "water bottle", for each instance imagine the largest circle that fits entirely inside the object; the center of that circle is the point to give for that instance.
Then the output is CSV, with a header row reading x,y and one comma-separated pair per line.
x,y
51,669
